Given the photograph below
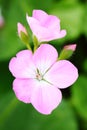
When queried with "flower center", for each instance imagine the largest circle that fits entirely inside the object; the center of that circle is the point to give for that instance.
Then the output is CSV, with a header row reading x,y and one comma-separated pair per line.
x,y
38,75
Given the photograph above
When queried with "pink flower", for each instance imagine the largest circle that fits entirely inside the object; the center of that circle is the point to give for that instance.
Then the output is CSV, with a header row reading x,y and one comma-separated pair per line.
x,y
21,28
39,77
45,27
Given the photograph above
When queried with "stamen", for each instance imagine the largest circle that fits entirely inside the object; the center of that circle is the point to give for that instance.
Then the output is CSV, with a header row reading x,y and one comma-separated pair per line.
x,y
38,75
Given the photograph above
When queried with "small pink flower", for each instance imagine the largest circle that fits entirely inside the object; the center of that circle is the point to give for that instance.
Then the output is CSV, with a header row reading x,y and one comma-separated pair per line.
x,y
45,27
21,28
39,77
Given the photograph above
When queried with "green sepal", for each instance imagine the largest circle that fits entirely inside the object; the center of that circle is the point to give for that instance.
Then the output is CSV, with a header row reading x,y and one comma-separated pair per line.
x,y
25,38
36,43
65,54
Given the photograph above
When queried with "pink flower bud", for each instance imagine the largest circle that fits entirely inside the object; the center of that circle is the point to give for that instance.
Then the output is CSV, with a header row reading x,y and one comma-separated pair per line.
x,y
67,51
70,47
21,28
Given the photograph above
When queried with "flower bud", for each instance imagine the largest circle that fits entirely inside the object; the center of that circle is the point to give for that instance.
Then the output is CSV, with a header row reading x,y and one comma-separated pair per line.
x,y
21,28
23,35
67,51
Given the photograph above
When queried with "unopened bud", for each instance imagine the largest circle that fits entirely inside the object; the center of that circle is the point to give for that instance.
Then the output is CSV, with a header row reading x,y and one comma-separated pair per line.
x,y
23,35
21,28
67,51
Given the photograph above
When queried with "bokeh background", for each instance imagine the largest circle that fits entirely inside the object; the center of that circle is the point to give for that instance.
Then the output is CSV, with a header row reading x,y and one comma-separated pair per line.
x,y
71,114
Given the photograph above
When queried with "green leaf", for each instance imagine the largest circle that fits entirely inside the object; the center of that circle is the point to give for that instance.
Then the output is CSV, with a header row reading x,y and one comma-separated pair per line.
x,y
24,116
10,43
79,96
71,16
7,105
41,5
84,26
62,118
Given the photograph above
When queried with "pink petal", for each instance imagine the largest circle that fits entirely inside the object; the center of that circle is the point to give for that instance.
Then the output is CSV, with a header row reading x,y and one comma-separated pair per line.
x,y
49,21
23,89
42,33
52,22
62,74
45,98
44,57
21,66
40,15
46,28
61,34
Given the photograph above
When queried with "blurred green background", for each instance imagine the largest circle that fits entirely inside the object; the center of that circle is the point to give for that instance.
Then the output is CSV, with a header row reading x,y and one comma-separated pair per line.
x,y
71,114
